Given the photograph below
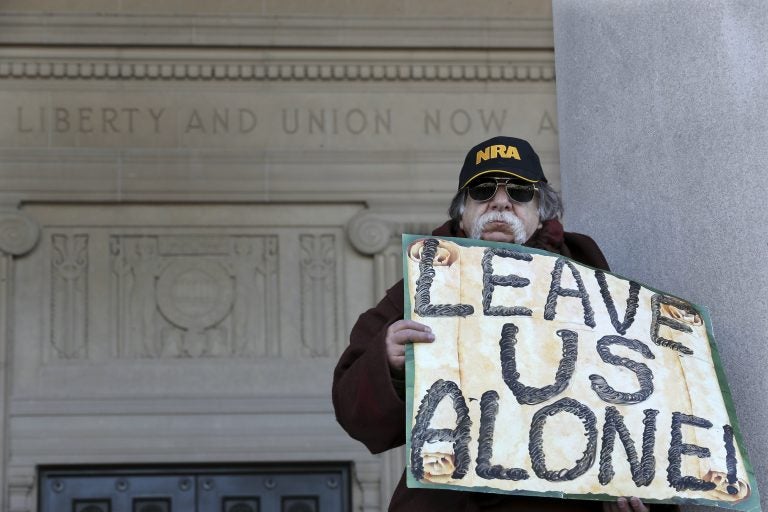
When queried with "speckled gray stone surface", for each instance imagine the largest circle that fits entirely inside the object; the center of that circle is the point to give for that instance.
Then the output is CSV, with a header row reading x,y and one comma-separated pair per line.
x,y
663,117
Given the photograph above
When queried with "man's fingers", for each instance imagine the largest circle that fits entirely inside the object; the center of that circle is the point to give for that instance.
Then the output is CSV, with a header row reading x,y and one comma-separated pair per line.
x,y
405,331
623,504
408,324
402,332
637,505
411,336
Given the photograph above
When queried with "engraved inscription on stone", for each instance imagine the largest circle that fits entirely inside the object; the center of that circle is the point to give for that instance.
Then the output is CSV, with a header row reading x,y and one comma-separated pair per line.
x,y
195,296
318,294
335,121
69,296
274,123
243,121
88,119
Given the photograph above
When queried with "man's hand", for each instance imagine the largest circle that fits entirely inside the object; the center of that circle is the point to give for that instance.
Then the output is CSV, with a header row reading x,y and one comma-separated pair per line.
x,y
625,505
400,333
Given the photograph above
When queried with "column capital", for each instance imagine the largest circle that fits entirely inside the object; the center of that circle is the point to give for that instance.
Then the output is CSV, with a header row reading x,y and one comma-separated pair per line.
x,y
18,232
20,491
372,231
369,233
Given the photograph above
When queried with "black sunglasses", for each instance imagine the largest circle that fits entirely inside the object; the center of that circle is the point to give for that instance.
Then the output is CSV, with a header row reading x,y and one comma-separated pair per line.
x,y
516,192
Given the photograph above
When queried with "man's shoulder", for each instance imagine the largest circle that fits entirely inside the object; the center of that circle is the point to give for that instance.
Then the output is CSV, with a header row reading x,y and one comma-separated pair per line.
x,y
396,293
448,228
584,249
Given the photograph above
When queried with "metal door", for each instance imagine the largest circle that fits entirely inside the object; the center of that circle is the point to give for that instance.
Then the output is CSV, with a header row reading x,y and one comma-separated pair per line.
x,y
299,489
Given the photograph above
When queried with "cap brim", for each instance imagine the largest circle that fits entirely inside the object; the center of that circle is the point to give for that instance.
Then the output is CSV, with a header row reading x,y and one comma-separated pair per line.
x,y
497,171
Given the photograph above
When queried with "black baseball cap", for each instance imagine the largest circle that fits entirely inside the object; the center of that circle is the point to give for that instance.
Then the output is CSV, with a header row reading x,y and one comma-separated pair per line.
x,y
502,156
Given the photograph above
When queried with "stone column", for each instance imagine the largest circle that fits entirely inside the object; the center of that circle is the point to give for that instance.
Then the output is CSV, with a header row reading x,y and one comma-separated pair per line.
x,y
378,234
663,149
18,236
373,235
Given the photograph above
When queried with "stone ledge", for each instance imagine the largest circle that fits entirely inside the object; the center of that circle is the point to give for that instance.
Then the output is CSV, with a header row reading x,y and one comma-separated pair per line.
x,y
277,66
273,31
126,406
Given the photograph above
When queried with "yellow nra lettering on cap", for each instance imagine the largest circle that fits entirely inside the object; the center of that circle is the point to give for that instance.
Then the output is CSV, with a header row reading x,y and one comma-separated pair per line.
x,y
497,151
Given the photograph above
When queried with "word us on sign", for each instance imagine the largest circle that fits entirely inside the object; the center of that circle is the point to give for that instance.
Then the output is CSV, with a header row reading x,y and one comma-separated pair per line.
x,y
548,376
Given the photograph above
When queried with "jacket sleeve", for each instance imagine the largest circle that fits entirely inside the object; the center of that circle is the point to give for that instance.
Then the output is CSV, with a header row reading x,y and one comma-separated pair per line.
x,y
365,400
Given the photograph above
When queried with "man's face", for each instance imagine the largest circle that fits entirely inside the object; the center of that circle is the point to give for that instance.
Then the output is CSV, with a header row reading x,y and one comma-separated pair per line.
x,y
500,219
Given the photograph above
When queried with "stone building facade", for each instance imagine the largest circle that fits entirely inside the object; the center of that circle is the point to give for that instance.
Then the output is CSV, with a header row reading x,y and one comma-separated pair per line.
x,y
198,199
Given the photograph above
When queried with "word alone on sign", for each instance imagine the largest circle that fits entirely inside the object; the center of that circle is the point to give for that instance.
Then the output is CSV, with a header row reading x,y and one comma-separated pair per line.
x,y
550,377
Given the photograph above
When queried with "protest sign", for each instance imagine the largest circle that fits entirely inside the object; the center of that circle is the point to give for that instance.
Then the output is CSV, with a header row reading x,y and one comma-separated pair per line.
x,y
548,377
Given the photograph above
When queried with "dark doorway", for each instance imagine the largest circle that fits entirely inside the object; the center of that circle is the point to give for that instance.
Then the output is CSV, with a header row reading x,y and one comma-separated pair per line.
x,y
299,488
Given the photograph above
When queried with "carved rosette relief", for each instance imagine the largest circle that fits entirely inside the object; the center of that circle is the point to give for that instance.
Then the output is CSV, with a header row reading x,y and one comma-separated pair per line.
x,y
69,295
318,295
18,233
195,296
369,233
378,234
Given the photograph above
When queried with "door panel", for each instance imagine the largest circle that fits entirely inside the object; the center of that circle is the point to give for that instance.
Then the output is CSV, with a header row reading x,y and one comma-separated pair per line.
x,y
308,489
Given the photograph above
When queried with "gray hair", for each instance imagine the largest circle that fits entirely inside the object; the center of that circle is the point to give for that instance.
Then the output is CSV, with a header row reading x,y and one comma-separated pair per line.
x,y
550,204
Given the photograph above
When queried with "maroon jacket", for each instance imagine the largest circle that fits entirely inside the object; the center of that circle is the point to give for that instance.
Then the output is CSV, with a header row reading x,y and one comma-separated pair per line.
x,y
369,401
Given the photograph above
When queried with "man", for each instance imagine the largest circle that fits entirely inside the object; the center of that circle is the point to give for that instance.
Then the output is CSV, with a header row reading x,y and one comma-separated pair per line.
x,y
502,196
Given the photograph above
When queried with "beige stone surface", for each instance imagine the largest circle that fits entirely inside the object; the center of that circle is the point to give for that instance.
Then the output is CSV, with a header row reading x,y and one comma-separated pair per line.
x,y
495,9
275,140
341,8
296,25
338,8
171,152
67,6
133,329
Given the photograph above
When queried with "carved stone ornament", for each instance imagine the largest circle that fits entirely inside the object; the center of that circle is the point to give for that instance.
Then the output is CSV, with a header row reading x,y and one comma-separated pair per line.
x,y
20,491
195,294
369,233
233,69
18,233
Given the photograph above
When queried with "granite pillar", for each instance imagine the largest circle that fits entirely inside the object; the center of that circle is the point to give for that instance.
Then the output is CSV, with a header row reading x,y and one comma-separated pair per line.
x,y
663,149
